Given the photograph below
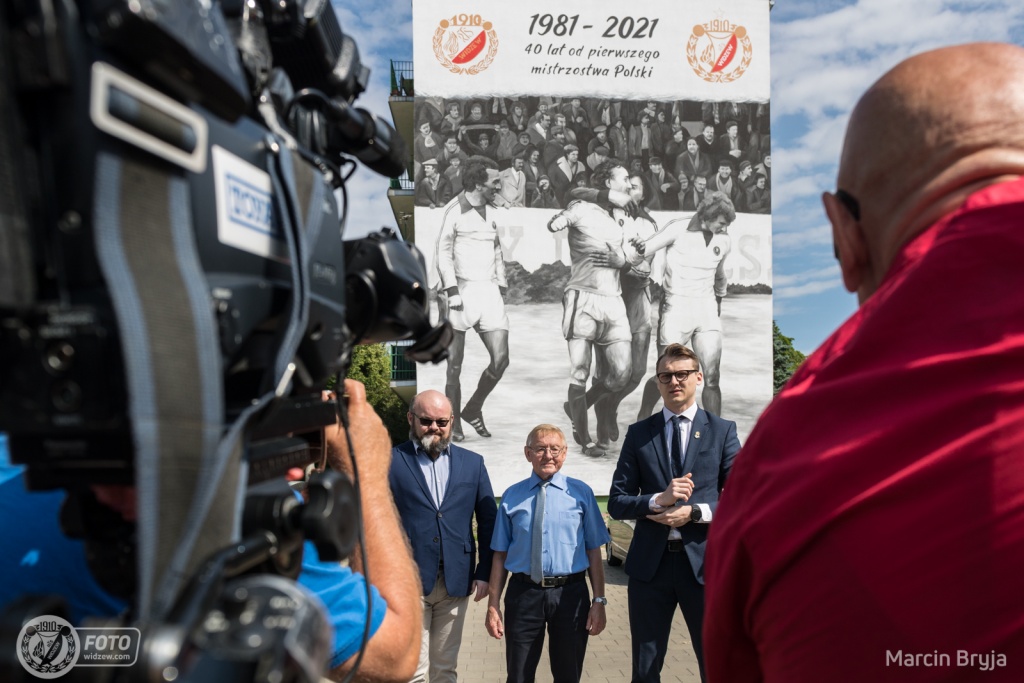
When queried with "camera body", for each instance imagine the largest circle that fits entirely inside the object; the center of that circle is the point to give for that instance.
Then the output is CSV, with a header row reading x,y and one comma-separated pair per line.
x,y
64,399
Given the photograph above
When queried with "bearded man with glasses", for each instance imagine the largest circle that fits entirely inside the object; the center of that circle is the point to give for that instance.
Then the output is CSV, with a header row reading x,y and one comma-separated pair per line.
x,y
438,487
670,473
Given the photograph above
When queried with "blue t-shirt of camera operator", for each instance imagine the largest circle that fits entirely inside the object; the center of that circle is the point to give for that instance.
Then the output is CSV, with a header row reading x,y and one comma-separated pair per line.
x,y
37,558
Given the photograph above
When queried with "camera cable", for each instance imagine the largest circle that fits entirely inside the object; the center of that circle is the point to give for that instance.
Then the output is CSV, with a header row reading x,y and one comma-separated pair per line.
x,y
341,408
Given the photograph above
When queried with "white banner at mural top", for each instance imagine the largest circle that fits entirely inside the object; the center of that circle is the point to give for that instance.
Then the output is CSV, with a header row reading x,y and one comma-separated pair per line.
x,y
661,50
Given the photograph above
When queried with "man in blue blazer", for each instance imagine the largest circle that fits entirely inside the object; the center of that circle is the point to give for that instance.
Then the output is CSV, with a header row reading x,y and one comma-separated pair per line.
x,y
438,487
670,473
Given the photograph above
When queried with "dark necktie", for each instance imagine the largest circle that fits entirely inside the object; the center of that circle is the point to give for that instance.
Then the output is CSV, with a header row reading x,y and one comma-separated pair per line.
x,y
537,535
677,447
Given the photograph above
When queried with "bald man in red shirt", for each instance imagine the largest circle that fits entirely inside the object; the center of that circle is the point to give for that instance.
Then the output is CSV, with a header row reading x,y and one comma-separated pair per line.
x,y
873,526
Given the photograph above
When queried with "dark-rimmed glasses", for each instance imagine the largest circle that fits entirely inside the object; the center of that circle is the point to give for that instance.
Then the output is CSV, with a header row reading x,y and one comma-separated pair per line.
x,y
427,421
850,202
681,375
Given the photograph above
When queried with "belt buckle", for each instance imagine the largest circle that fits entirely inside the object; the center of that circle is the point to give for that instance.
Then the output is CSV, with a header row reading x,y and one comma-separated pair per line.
x,y
549,581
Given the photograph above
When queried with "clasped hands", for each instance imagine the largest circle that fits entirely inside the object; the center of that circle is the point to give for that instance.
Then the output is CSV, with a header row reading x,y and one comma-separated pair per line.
x,y
614,257
678,489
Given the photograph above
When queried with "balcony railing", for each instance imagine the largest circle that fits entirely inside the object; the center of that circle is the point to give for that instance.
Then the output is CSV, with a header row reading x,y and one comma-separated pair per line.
x,y
401,79
403,182
402,369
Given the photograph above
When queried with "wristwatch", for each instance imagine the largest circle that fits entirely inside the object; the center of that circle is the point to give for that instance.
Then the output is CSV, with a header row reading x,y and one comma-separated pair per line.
x,y
601,601
695,514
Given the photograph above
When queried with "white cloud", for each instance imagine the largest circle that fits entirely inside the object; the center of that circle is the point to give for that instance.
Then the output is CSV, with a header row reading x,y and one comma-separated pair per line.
x,y
783,308
817,274
825,53
383,32
801,235
822,64
806,289
792,183
369,209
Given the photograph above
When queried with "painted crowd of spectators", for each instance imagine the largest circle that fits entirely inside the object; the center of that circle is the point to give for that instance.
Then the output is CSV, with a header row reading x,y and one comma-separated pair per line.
x,y
546,146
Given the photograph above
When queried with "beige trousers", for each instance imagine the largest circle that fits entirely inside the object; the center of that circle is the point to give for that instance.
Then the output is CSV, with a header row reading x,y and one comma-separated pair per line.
x,y
443,618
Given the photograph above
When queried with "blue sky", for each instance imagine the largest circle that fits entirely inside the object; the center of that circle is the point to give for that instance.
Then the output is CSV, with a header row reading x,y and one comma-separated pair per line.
x,y
825,53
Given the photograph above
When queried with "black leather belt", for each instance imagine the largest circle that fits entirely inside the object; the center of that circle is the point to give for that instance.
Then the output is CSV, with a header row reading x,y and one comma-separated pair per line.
x,y
550,581
675,546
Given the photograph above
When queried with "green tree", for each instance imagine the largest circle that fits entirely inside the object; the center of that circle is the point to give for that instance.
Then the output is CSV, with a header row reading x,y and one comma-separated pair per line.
x,y
785,358
371,365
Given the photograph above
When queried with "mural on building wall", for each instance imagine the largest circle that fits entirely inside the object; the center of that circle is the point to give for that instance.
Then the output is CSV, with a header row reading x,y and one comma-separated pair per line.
x,y
589,188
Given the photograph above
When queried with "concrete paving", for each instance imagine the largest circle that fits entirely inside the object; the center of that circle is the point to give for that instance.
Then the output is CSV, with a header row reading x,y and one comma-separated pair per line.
x,y
482,658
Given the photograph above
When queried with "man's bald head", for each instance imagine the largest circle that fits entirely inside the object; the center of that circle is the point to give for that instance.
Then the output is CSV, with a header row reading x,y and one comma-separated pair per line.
x,y
935,128
430,399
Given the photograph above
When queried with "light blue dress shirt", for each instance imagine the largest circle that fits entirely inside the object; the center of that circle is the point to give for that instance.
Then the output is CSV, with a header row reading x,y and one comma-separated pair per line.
x,y
572,525
436,472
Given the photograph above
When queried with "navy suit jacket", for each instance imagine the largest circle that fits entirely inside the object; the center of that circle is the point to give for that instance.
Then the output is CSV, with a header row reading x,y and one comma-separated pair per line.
x,y
644,470
451,527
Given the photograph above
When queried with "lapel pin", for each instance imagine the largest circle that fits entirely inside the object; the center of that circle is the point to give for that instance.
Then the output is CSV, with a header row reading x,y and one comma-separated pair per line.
x,y
697,435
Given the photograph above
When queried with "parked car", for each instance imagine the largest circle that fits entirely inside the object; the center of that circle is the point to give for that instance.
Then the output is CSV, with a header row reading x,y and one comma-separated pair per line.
x,y
621,533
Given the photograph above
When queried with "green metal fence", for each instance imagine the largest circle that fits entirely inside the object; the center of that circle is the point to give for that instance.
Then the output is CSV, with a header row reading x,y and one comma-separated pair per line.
x,y
403,183
402,369
401,79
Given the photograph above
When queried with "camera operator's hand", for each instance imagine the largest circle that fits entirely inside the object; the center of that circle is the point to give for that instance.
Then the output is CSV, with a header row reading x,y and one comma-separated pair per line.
x,y
369,438
393,652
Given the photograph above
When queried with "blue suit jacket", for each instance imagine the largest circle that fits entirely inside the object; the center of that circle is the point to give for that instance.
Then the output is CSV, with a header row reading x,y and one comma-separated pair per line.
x,y
644,470
451,527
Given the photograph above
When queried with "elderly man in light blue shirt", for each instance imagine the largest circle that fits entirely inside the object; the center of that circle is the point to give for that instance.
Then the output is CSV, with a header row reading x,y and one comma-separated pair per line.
x,y
548,534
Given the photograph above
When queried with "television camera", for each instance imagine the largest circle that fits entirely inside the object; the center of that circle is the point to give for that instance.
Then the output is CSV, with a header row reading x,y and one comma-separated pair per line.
x,y
175,293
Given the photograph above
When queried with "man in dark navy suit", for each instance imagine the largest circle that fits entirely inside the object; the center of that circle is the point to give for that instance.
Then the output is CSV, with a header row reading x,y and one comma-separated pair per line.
x,y
670,473
438,487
